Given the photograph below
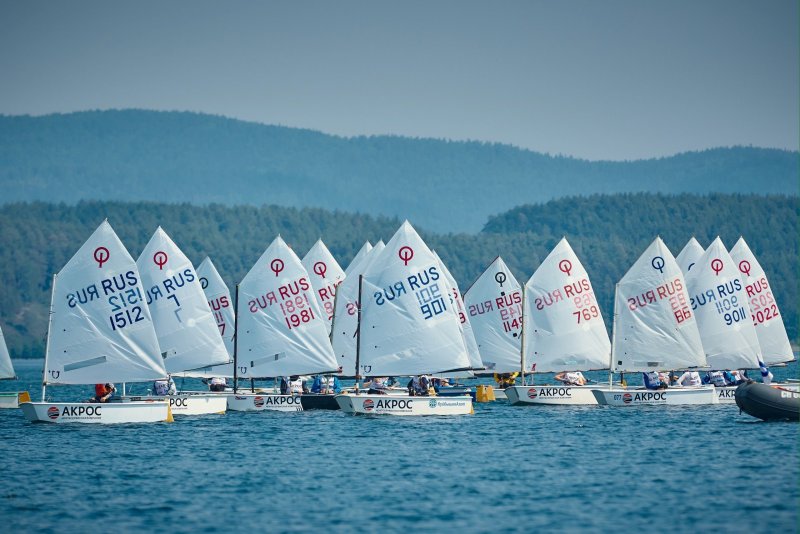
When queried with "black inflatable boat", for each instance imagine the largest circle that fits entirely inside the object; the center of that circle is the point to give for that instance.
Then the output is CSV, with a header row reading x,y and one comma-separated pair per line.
x,y
769,403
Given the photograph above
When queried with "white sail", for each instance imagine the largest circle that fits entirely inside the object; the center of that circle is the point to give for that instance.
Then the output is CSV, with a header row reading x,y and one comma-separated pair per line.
x,y
494,305
723,315
768,321
100,325
465,326
280,328
325,275
654,326
219,300
563,327
362,252
221,305
689,255
187,332
345,322
6,369
408,325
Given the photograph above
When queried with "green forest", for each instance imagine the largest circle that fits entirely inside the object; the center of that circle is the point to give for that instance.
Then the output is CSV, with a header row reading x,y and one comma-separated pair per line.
x,y
446,186
608,232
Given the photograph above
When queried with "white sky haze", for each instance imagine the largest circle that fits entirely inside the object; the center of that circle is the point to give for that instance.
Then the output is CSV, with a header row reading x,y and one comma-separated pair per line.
x,y
615,79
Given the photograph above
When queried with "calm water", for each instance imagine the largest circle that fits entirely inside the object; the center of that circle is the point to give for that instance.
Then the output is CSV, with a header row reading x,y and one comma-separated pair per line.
x,y
504,468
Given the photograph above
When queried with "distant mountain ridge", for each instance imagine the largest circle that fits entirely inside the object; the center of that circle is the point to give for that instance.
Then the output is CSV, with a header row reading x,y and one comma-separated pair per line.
x,y
443,186
607,232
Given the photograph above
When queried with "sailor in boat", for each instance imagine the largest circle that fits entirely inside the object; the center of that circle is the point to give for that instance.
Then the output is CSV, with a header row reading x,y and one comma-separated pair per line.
x,y
326,385
377,386
293,385
103,392
575,378
739,376
505,380
419,386
719,378
653,380
217,383
164,387
688,379
439,383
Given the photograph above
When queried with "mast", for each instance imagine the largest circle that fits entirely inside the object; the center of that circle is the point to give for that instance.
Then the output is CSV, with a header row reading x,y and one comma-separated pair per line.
x,y
49,330
235,339
333,319
613,338
522,338
358,332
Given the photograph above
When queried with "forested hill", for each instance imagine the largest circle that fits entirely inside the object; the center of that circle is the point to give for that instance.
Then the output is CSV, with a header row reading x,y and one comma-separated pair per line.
x,y
444,186
607,232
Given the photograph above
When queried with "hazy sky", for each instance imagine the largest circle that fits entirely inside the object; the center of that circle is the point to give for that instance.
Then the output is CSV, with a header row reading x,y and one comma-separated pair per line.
x,y
593,79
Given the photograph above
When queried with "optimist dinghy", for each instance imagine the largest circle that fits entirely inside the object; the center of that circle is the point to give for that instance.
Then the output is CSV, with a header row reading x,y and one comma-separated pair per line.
x,y
407,326
720,304
654,330
100,331
187,332
563,330
345,320
773,341
221,305
280,330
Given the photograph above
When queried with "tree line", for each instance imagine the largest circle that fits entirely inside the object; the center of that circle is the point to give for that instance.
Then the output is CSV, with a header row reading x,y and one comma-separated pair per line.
x,y
608,233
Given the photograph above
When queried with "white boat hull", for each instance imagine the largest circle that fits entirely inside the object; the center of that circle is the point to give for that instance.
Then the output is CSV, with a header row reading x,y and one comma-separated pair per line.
x,y
95,412
259,402
404,405
189,403
500,394
551,395
669,397
9,400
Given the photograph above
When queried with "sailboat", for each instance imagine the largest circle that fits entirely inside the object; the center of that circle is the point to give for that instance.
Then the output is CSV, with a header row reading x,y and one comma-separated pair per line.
x,y
689,255
187,332
654,330
9,399
345,321
221,305
100,331
279,329
465,326
325,275
494,306
767,318
563,329
407,326
723,314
